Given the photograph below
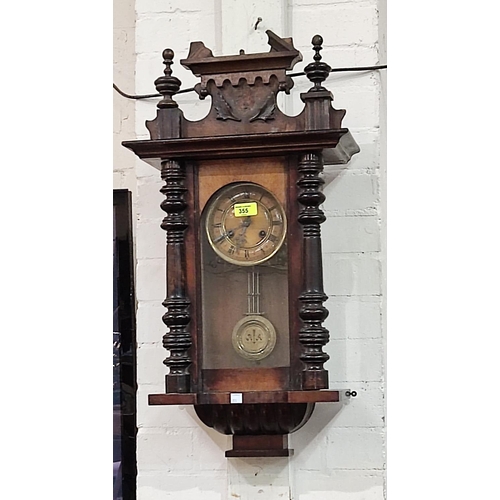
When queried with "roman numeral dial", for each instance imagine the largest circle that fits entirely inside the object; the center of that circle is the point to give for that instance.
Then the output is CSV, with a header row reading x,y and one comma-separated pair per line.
x,y
245,223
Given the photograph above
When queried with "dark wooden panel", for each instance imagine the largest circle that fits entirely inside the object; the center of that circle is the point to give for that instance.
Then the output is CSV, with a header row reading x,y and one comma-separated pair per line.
x,y
172,399
296,277
124,344
260,397
313,396
246,379
260,446
236,146
192,274
268,172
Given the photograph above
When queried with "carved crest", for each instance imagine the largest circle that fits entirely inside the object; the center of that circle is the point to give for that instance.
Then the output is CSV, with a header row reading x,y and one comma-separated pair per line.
x,y
244,87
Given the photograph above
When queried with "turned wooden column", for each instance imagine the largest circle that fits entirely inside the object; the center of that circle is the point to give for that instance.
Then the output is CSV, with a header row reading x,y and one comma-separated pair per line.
x,y
178,340
313,335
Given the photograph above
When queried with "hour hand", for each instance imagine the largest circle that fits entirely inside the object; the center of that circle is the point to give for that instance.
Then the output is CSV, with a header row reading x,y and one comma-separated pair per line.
x,y
229,234
244,225
246,222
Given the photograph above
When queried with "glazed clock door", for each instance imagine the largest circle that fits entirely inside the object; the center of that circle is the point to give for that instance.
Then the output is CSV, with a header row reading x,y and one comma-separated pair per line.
x,y
244,272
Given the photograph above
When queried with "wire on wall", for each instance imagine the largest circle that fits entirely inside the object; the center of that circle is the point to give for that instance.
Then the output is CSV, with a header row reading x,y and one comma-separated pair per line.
x,y
292,75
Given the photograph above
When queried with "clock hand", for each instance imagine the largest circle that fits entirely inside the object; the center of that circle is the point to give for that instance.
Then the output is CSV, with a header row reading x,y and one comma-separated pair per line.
x,y
241,237
245,223
224,235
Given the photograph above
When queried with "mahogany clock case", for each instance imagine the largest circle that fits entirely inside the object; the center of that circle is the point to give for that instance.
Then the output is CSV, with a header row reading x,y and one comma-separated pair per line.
x,y
247,326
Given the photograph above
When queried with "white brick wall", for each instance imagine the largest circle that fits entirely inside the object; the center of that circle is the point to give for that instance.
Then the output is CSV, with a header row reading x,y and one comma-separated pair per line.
x,y
124,176
340,453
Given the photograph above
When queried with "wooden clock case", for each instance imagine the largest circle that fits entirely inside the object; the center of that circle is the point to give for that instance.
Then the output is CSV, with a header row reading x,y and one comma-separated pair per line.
x,y
245,137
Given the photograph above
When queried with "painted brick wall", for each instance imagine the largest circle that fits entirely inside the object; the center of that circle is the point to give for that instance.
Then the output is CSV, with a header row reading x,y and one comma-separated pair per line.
x,y
340,453
124,175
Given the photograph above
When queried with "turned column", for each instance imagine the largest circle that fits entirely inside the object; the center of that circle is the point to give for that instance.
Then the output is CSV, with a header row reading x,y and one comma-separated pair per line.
x,y
177,318
313,335
178,339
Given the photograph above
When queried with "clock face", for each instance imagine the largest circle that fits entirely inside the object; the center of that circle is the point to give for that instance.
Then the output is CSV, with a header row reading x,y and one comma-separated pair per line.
x,y
245,224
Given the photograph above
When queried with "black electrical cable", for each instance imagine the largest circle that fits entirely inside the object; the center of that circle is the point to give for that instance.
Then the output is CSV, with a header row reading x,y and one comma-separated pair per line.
x,y
338,70
292,75
147,96
128,96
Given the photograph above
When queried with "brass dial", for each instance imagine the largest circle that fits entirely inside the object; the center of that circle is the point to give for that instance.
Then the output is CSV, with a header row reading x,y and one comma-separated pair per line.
x,y
245,224
254,337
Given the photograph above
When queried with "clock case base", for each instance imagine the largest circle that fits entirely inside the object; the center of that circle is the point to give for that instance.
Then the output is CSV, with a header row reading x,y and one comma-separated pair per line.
x,y
261,422
259,446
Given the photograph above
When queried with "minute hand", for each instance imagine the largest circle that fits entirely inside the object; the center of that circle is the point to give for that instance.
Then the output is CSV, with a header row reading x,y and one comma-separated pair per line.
x,y
229,234
244,226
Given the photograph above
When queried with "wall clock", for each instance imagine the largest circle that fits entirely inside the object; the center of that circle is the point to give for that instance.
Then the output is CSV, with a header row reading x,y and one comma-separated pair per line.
x,y
245,305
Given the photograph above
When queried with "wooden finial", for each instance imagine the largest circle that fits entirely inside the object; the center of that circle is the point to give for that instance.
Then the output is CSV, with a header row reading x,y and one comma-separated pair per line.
x,y
317,71
168,59
167,85
317,42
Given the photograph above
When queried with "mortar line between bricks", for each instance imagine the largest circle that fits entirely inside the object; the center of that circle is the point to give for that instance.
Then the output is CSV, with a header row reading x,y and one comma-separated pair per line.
x,y
359,216
351,216
359,253
373,427
353,381
369,171
340,301
164,428
149,258
360,170
355,295
335,2
355,338
373,253
143,15
303,48
373,469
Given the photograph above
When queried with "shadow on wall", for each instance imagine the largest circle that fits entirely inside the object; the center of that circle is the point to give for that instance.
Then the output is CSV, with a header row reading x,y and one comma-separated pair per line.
x,y
332,172
307,436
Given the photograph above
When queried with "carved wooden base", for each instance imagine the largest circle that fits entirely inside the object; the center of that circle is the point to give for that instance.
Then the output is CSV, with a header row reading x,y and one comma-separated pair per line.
x,y
260,446
259,430
260,423
255,419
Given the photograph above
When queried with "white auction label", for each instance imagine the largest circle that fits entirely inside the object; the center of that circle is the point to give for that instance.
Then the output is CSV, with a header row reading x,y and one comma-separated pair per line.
x,y
236,397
